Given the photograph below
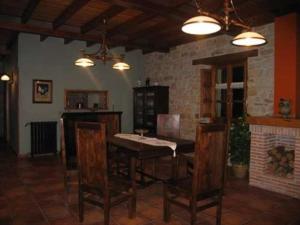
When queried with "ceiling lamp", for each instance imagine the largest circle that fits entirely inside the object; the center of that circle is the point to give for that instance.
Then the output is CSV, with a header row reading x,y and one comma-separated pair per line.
x,y
201,25
208,23
121,66
5,77
103,55
248,39
84,62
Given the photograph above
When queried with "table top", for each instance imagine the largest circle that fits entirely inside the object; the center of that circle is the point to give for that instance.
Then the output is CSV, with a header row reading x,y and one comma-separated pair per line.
x,y
144,151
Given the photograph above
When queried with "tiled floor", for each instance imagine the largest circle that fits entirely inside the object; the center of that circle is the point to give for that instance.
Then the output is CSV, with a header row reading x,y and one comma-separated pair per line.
x,y
31,193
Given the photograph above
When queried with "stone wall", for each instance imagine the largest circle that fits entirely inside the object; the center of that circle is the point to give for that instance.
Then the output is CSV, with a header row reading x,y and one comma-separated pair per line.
x,y
175,70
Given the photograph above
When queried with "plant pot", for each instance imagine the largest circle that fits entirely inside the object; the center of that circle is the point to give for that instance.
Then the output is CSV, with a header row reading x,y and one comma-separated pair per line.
x,y
240,170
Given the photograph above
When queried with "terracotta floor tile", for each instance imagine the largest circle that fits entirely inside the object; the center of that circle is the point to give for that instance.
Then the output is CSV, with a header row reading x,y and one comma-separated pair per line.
x,y
56,212
269,219
32,193
235,218
65,221
138,220
93,216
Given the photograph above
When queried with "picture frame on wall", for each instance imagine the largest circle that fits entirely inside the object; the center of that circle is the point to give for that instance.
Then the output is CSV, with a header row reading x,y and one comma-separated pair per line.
x,y
42,91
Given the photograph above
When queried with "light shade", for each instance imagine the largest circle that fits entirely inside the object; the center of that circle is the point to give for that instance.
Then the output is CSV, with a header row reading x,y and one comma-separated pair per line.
x,y
5,77
249,38
84,62
121,66
201,25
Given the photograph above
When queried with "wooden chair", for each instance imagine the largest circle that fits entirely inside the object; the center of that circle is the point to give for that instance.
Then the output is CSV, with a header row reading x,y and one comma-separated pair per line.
x,y
95,186
207,180
168,125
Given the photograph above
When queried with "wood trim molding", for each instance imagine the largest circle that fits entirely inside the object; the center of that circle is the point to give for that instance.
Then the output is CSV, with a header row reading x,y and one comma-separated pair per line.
x,y
226,59
274,121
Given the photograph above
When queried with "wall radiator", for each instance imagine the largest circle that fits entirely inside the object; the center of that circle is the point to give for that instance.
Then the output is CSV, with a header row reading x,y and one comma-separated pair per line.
x,y
43,137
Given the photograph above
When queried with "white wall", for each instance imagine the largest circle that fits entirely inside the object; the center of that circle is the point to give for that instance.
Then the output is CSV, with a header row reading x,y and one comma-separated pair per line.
x,y
52,60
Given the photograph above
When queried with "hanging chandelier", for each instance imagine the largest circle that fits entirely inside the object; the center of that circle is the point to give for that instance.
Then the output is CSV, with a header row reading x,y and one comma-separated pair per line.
x,y
208,23
102,54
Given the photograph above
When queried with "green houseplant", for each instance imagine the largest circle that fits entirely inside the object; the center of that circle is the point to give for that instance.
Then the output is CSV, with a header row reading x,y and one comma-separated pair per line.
x,y
239,144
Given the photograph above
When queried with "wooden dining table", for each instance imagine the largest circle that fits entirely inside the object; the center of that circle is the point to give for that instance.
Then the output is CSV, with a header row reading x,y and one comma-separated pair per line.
x,y
138,150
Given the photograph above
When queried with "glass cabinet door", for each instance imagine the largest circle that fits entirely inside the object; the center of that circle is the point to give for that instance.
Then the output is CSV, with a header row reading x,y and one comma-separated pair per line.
x,y
149,113
139,109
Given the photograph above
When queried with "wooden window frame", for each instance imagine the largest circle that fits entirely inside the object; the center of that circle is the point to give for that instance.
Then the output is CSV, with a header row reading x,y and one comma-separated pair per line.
x,y
229,100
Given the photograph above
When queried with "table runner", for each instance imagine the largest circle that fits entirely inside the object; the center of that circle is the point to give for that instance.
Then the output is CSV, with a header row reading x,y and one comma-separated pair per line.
x,y
149,141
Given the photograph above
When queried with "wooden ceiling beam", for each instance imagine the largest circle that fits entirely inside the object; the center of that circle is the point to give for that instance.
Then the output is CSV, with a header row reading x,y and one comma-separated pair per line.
x,y
32,4
27,28
149,7
150,30
107,14
150,36
130,24
74,7
172,3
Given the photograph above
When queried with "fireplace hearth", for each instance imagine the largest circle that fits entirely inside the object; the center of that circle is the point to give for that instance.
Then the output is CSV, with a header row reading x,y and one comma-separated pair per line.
x,y
275,155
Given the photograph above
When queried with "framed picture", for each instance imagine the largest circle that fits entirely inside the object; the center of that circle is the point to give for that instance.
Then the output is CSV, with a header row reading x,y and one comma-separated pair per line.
x,y
42,91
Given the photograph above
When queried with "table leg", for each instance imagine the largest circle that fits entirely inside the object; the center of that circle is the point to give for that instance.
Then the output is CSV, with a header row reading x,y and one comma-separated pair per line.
x,y
175,162
133,181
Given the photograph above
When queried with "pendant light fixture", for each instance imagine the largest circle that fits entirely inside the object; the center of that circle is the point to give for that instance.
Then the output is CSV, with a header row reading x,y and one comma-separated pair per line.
x,y
121,65
103,55
208,23
201,25
248,38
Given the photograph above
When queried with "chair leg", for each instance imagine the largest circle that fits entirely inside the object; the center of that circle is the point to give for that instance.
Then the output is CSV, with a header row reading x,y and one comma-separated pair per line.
x,y
132,206
142,168
166,205
219,211
80,204
193,207
106,210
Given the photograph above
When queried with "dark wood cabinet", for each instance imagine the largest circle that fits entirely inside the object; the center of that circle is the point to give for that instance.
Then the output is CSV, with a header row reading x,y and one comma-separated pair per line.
x,y
148,102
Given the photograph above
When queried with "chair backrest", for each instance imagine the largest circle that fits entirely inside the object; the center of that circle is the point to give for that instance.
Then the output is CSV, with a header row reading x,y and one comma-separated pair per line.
x,y
168,125
210,158
91,154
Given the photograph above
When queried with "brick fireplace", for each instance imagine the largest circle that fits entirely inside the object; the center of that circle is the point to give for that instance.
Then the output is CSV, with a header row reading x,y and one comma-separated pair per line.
x,y
266,135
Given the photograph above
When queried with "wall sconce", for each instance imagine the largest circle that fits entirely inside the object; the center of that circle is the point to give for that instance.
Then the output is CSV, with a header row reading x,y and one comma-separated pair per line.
x,y
6,78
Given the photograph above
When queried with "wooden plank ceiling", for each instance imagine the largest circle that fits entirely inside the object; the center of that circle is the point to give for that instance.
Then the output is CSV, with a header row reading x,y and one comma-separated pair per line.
x,y
150,25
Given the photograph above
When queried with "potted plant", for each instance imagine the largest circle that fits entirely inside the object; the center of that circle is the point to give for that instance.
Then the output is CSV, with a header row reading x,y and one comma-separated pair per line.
x,y
239,143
